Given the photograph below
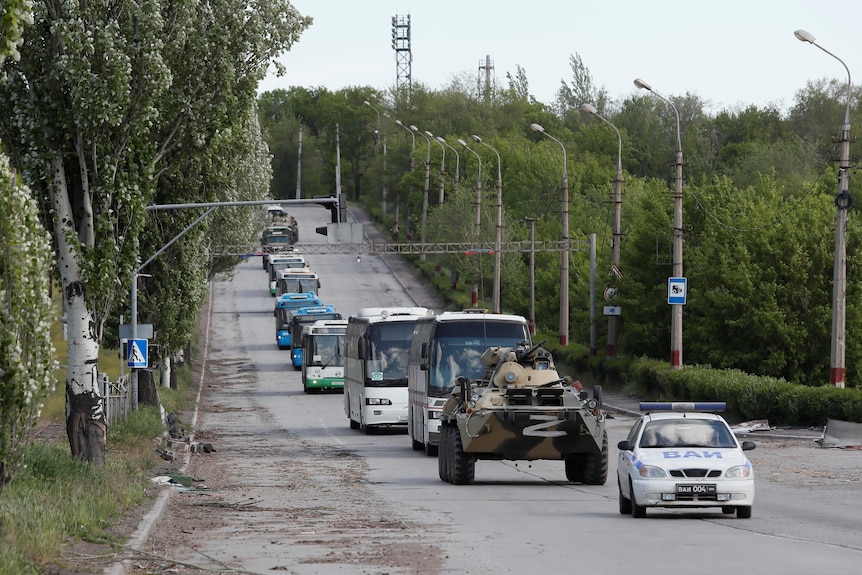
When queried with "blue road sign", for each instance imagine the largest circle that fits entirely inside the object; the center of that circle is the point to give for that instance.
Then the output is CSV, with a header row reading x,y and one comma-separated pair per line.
x,y
676,291
138,353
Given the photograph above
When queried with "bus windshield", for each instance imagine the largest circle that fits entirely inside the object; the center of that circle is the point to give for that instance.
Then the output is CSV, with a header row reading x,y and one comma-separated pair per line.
x,y
326,349
389,350
458,349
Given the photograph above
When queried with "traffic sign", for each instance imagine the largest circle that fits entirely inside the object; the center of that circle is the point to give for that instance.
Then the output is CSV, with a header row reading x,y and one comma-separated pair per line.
x,y
676,291
613,310
138,353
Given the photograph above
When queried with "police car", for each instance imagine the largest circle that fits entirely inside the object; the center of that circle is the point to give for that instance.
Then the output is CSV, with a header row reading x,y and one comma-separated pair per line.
x,y
684,455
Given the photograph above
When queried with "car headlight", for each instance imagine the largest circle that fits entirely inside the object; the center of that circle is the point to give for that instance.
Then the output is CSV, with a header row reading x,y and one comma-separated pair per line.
x,y
738,472
651,472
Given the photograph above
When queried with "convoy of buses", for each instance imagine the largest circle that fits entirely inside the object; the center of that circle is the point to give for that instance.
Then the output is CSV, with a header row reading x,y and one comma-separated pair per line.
x,y
396,366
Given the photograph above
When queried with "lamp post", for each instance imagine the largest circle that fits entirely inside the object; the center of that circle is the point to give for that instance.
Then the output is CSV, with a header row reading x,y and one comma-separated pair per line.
x,y
676,309
412,145
564,260
442,166
457,159
499,238
613,320
842,203
425,192
532,222
385,189
474,297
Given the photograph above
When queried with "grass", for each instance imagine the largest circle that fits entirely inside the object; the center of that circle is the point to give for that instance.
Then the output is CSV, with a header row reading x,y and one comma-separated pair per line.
x,y
56,501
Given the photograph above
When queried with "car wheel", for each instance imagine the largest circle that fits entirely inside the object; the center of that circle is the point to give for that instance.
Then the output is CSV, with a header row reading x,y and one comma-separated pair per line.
x,y
625,502
743,512
638,511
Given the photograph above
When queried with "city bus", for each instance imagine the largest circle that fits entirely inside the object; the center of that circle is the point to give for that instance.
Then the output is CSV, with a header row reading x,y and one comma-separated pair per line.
x,y
296,280
302,317
443,348
375,370
283,261
284,306
323,355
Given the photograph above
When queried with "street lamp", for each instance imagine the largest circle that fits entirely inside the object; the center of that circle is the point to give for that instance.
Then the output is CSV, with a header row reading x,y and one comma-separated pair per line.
x,y
613,320
532,222
499,239
385,189
425,192
474,297
412,145
564,260
442,164
457,159
842,203
676,309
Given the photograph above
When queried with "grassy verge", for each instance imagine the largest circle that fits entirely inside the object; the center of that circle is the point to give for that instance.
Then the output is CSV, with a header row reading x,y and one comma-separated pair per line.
x,y
57,502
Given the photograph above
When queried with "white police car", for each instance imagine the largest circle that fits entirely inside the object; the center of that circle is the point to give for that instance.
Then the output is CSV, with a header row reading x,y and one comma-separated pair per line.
x,y
683,455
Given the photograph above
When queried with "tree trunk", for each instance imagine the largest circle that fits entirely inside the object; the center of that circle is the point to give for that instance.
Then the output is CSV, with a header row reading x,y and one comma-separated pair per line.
x,y
86,426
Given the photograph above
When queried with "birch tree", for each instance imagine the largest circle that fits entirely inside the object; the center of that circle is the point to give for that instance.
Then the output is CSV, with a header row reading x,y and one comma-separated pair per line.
x,y
107,97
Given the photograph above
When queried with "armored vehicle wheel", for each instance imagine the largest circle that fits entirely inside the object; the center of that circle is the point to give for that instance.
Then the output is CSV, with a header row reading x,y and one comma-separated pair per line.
x,y
463,465
638,511
625,502
596,465
743,512
575,467
443,456
597,395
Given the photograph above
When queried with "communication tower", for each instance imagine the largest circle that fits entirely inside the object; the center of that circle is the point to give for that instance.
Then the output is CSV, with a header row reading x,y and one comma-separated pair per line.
x,y
486,68
403,54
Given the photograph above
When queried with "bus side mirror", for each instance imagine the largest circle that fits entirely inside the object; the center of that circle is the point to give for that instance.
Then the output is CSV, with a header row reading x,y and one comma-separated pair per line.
x,y
362,348
423,354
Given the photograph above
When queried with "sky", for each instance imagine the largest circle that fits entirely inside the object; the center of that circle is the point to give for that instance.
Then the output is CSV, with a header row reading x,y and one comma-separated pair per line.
x,y
729,53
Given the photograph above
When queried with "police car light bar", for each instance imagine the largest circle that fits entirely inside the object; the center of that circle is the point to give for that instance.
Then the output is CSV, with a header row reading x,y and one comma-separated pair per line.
x,y
683,406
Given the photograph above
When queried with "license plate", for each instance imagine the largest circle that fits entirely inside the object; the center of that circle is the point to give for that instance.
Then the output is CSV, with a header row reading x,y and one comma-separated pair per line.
x,y
402,418
697,489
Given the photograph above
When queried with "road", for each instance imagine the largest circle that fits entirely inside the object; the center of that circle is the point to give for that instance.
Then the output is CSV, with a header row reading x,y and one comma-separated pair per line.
x,y
291,488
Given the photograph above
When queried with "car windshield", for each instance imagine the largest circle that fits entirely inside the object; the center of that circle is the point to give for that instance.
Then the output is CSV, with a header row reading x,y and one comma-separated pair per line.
x,y
686,433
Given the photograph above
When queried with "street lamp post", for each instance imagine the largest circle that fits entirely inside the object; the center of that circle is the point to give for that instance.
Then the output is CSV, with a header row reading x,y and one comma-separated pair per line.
x,y
425,192
564,260
499,238
385,189
676,309
613,320
532,222
474,297
457,159
412,145
442,166
842,203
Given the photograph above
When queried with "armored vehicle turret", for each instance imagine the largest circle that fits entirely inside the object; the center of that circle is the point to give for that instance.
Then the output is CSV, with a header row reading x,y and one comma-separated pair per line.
x,y
521,409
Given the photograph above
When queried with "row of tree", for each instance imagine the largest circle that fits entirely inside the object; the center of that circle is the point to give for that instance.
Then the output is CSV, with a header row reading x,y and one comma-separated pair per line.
x,y
758,202
111,108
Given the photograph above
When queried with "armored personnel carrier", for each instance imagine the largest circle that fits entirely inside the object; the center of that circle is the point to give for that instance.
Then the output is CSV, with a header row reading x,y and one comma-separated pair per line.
x,y
521,409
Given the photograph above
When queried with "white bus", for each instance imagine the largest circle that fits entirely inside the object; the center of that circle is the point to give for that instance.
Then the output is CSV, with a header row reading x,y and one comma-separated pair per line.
x,y
323,355
443,348
296,280
375,370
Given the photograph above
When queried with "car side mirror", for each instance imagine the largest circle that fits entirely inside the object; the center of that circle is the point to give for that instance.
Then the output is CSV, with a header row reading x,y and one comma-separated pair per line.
x,y
748,445
624,445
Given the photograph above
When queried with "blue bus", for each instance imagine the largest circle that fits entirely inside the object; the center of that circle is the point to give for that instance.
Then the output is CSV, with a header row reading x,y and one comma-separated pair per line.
x,y
301,317
285,305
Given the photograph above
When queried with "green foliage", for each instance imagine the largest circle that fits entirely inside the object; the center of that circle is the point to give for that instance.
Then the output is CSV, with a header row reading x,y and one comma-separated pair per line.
x,y
27,361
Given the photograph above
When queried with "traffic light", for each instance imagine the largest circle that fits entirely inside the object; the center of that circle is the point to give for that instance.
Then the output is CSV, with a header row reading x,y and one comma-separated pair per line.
x,y
333,211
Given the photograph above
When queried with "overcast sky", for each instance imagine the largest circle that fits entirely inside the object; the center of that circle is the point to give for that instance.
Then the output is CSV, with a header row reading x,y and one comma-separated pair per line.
x,y
728,52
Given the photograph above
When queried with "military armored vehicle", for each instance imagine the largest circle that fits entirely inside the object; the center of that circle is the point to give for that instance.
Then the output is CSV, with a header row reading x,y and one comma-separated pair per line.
x,y
521,409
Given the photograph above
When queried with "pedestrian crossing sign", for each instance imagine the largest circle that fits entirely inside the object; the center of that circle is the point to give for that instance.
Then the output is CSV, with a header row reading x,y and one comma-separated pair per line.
x,y
138,353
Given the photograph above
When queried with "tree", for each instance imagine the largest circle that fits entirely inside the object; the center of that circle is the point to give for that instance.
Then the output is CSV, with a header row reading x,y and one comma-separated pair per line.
x,y
27,361
108,97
